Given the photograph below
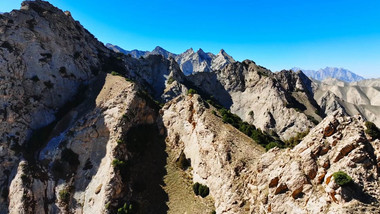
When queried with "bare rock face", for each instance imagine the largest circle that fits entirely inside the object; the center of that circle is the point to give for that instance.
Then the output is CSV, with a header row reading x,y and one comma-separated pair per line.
x,y
45,56
221,157
259,97
300,180
81,165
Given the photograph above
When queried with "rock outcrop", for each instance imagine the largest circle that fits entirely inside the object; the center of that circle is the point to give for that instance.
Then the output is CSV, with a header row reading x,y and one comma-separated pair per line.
x,y
82,165
45,58
221,157
260,97
300,180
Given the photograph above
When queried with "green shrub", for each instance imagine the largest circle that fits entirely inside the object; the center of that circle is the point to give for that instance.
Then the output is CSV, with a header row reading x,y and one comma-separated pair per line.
x,y
126,209
120,141
214,112
272,145
118,164
213,212
201,190
64,196
114,73
107,206
341,178
312,119
183,162
196,188
372,130
293,141
257,135
128,80
191,91
170,80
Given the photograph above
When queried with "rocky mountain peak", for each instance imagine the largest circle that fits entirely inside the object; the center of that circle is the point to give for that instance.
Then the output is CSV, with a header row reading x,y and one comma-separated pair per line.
x,y
160,51
189,51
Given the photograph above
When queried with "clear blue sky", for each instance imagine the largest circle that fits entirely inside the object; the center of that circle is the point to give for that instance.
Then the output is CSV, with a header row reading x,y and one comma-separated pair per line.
x,y
276,34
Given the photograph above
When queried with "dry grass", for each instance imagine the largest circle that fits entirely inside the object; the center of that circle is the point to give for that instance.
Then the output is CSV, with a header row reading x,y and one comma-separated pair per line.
x,y
179,189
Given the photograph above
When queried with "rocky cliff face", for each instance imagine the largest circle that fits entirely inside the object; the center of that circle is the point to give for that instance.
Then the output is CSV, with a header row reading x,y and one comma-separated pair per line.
x,y
338,143
269,101
51,65
43,61
221,157
76,171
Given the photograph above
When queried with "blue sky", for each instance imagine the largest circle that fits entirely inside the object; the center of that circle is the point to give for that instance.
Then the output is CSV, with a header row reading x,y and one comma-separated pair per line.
x,y
276,34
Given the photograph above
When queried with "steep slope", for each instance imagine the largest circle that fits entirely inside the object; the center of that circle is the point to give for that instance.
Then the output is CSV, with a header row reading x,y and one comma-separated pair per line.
x,y
191,61
221,60
80,174
301,180
221,157
260,97
331,72
50,66
45,58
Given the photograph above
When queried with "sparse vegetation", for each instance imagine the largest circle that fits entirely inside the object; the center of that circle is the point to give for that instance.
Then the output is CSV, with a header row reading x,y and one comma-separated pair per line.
x,y
125,209
293,141
312,119
372,130
200,189
341,178
183,162
121,166
272,145
149,99
118,164
64,196
114,73
107,206
170,80
257,135
191,91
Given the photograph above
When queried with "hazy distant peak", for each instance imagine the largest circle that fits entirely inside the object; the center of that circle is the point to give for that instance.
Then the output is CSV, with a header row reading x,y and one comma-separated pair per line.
x,y
331,72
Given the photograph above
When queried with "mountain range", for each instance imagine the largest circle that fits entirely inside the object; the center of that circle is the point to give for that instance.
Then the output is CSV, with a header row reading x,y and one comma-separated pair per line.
x,y
200,61
331,72
189,61
87,129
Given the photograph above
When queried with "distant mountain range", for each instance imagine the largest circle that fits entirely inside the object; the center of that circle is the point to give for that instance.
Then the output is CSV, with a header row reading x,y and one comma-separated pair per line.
x,y
331,72
189,61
